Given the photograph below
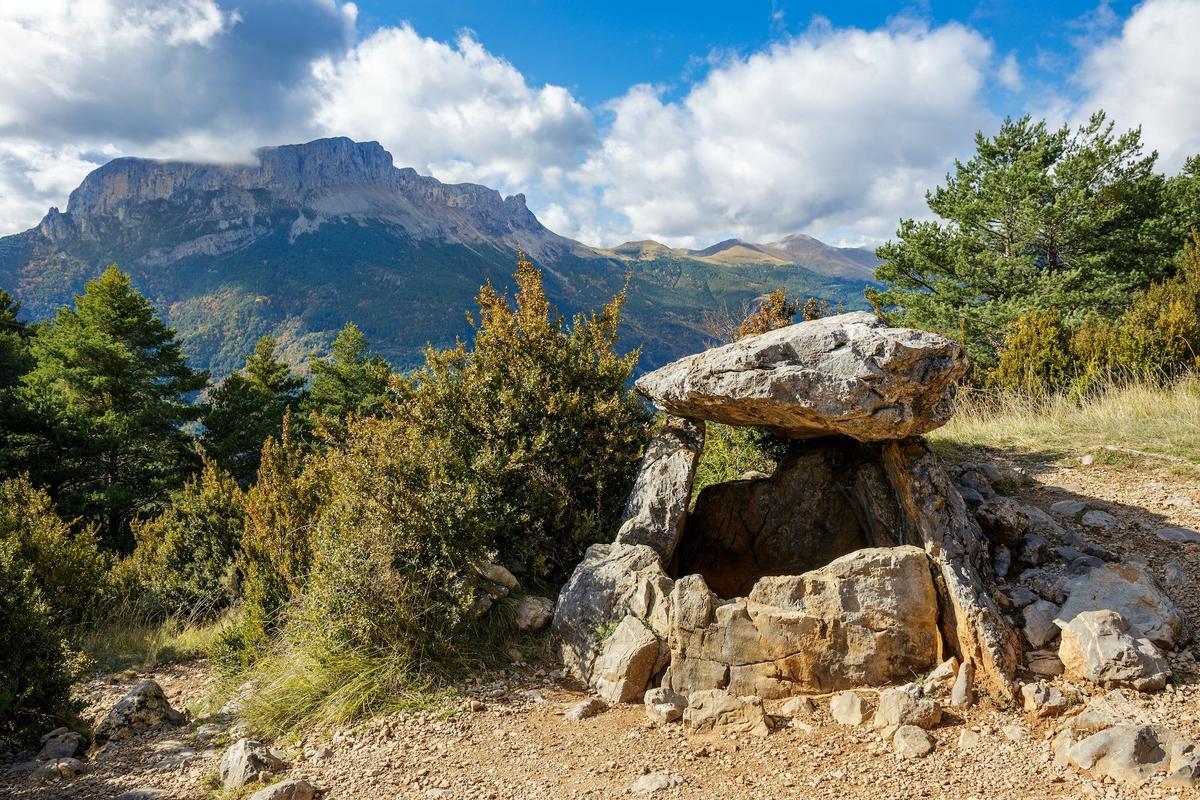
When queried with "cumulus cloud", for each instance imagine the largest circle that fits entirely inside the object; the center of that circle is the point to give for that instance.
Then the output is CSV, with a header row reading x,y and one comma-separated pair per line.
x,y
1146,75
83,81
828,131
457,110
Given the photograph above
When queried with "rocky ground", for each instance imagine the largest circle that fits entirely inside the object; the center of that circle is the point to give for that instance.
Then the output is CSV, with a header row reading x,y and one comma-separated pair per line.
x,y
508,737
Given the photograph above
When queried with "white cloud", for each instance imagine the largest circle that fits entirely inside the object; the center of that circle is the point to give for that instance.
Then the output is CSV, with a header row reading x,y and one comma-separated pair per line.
x,y
84,80
831,131
456,111
1010,73
1147,75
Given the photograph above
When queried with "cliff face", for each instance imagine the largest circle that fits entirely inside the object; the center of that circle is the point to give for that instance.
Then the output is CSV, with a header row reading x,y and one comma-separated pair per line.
x,y
324,180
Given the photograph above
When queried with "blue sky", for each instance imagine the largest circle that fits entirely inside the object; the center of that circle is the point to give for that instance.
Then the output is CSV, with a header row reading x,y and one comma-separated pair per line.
x,y
599,49
684,122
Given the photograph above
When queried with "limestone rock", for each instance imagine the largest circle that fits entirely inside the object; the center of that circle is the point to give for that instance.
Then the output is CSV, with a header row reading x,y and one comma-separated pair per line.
x,y
1126,753
963,693
1103,712
1098,646
901,707
1100,519
586,708
663,705
969,739
910,741
1133,593
718,711
944,674
140,794
533,613
797,706
626,662
143,708
246,761
1039,622
1014,733
935,515
58,768
61,743
497,573
847,708
1003,520
611,582
657,507
653,782
1068,508
849,374
824,500
1178,535
297,789
1044,663
1043,700
1183,769
867,618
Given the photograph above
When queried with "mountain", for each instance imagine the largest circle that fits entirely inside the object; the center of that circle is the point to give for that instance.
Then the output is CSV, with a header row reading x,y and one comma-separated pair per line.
x,y
312,235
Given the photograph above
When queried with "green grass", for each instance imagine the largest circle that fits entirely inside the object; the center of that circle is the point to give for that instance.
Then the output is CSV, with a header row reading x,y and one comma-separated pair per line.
x,y
311,683
1123,425
126,642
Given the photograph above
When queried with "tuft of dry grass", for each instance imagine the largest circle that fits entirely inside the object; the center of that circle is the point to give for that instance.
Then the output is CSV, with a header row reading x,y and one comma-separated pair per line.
x,y
1128,421
129,642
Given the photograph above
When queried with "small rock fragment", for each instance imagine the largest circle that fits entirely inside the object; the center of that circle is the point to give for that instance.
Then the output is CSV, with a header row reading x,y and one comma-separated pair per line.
x,y
664,705
847,708
297,789
900,707
585,708
655,782
533,613
963,693
910,741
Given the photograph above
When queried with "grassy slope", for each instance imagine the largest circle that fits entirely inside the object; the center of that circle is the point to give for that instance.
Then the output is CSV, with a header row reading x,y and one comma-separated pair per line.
x,y
1131,421
403,293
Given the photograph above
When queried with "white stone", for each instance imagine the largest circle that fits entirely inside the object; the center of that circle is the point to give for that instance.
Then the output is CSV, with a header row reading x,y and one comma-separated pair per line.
x,y
626,662
1101,647
849,374
847,708
910,741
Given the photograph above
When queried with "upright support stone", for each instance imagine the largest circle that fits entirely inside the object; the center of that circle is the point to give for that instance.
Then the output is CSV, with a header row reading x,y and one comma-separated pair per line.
x,y
936,515
656,510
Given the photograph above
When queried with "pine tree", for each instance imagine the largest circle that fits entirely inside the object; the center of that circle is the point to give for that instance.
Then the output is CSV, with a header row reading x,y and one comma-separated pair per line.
x,y
350,380
1037,219
247,408
109,394
15,361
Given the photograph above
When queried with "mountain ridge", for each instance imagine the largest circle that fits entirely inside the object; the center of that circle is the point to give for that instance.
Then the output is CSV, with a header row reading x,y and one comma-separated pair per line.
x,y
312,235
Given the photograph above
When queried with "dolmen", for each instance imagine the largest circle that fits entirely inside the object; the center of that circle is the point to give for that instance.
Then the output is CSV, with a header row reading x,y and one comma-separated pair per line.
x,y
854,564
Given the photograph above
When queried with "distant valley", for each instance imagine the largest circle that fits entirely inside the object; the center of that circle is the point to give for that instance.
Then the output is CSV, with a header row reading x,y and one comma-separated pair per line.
x,y
317,234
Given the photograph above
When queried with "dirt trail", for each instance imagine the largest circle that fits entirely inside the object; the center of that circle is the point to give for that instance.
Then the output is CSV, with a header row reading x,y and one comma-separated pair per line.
x,y
508,739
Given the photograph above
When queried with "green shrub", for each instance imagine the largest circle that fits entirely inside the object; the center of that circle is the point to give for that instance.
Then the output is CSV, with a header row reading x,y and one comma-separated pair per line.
x,y
541,415
1036,355
521,449
67,568
276,546
729,452
1159,336
36,666
185,558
